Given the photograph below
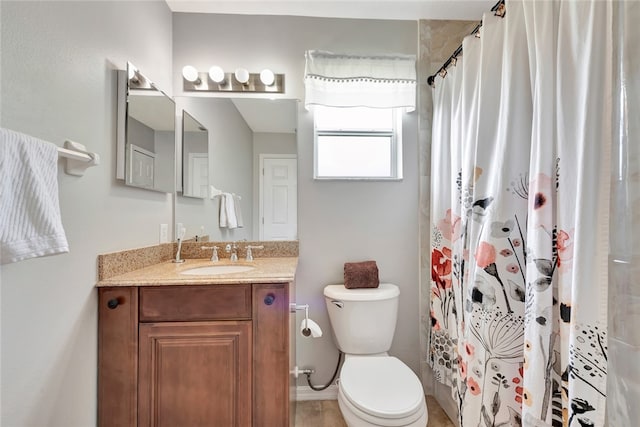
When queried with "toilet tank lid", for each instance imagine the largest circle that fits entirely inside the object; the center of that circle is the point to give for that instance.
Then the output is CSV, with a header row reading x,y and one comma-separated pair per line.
x,y
382,292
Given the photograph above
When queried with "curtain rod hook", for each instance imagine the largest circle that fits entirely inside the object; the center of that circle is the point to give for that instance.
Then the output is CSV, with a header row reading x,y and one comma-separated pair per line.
x,y
501,11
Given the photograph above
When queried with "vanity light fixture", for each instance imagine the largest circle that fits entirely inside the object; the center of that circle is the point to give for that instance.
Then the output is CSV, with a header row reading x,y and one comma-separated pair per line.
x,y
216,74
242,75
267,77
190,73
137,81
133,73
241,80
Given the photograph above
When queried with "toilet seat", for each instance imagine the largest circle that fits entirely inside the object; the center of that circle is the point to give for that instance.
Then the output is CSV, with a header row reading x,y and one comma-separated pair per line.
x,y
382,388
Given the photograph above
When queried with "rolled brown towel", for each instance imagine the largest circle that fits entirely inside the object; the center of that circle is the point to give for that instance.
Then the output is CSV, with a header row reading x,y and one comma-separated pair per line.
x,y
361,275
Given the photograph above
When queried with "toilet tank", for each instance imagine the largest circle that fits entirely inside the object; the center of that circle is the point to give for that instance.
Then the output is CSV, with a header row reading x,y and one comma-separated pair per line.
x,y
363,320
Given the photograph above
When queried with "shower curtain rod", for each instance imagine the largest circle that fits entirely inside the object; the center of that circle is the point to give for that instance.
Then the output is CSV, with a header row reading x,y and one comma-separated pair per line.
x,y
499,9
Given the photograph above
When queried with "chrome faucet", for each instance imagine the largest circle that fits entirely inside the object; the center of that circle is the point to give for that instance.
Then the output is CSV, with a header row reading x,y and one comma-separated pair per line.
x,y
250,253
214,254
233,248
177,258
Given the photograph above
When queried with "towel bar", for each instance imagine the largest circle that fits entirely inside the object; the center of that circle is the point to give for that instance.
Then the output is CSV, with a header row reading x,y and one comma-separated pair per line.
x,y
77,158
214,192
70,154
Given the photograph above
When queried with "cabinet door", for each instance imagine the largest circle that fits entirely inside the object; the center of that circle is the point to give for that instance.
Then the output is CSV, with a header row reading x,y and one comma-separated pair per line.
x,y
271,356
195,374
117,357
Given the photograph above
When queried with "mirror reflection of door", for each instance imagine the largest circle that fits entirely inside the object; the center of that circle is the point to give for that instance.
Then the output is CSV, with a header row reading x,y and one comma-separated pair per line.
x,y
141,167
278,197
240,131
195,157
198,175
146,133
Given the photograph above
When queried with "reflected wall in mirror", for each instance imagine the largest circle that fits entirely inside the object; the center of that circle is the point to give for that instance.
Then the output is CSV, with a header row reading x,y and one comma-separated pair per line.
x,y
195,158
246,135
146,133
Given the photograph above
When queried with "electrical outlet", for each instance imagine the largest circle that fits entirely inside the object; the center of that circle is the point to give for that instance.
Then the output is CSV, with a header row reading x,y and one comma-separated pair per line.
x,y
164,233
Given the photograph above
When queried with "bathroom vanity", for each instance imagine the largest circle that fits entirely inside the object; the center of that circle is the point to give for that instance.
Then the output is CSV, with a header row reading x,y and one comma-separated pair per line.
x,y
197,350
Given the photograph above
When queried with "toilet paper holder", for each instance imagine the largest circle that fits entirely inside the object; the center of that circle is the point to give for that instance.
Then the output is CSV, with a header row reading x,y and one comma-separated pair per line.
x,y
308,328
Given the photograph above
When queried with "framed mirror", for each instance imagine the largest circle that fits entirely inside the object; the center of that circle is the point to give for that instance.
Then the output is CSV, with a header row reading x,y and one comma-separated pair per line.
x,y
246,137
195,157
146,133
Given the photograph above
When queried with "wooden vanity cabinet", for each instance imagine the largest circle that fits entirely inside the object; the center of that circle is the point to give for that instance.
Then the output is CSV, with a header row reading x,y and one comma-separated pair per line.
x,y
206,355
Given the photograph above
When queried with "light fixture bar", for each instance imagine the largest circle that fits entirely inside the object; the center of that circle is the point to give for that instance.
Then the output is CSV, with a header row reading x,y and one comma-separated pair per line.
x,y
230,84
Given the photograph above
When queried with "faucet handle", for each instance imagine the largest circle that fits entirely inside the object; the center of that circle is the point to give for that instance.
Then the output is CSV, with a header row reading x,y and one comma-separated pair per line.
x,y
214,254
233,248
250,253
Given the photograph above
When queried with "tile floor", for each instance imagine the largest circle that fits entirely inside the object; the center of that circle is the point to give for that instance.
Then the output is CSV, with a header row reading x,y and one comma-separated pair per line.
x,y
325,413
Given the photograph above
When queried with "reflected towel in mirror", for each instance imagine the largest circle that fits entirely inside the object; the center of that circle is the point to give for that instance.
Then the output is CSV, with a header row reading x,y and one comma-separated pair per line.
x,y
228,218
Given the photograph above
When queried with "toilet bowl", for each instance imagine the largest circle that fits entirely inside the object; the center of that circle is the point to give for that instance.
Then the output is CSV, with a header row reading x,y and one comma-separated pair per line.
x,y
380,391
374,389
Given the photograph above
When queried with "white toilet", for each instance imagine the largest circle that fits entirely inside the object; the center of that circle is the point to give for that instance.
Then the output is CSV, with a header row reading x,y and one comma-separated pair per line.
x,y
374,389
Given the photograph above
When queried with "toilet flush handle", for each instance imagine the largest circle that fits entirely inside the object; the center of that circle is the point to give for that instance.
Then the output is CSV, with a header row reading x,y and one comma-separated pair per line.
x,y
338,304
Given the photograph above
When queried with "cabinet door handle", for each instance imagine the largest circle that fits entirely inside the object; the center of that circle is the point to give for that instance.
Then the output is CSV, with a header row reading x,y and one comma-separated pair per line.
x,y
269,299
113,303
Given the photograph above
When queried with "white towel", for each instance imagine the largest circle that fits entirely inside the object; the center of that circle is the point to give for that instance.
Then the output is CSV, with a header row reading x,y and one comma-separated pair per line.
x,y
223,211
232,219
236,202
30,221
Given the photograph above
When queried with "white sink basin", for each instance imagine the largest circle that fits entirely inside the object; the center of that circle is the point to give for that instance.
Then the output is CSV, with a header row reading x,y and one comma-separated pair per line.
x,y
217,269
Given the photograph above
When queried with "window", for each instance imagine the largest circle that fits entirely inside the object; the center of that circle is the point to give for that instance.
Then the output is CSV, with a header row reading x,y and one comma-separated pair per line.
x,y
357,143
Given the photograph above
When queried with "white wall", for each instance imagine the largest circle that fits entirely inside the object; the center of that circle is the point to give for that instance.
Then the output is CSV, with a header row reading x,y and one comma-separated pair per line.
x,y
337,221
57,83
230,168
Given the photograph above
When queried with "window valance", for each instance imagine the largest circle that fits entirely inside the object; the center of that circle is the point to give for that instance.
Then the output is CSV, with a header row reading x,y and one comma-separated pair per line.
x,y
379,81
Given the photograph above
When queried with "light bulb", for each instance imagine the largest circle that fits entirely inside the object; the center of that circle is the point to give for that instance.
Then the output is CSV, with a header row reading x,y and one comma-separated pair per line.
x,y
190,73
267,77
132,72
216,74
242,75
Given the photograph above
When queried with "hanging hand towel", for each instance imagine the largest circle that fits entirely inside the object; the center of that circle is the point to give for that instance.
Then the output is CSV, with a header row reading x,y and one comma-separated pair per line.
x,y
236,203
232,221
223,211
30,221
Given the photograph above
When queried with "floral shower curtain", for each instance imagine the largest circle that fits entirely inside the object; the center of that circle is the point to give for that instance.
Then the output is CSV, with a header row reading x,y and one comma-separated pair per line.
x,y
519,207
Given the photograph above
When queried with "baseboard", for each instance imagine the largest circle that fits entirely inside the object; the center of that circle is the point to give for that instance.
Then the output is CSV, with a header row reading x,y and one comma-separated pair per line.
x,y
304,392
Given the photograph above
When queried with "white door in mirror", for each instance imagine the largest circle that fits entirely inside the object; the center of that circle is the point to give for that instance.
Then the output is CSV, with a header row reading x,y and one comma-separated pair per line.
x,y
279,199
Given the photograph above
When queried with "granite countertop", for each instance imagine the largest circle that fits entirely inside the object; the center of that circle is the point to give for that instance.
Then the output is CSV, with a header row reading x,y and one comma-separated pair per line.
x,y
266,270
